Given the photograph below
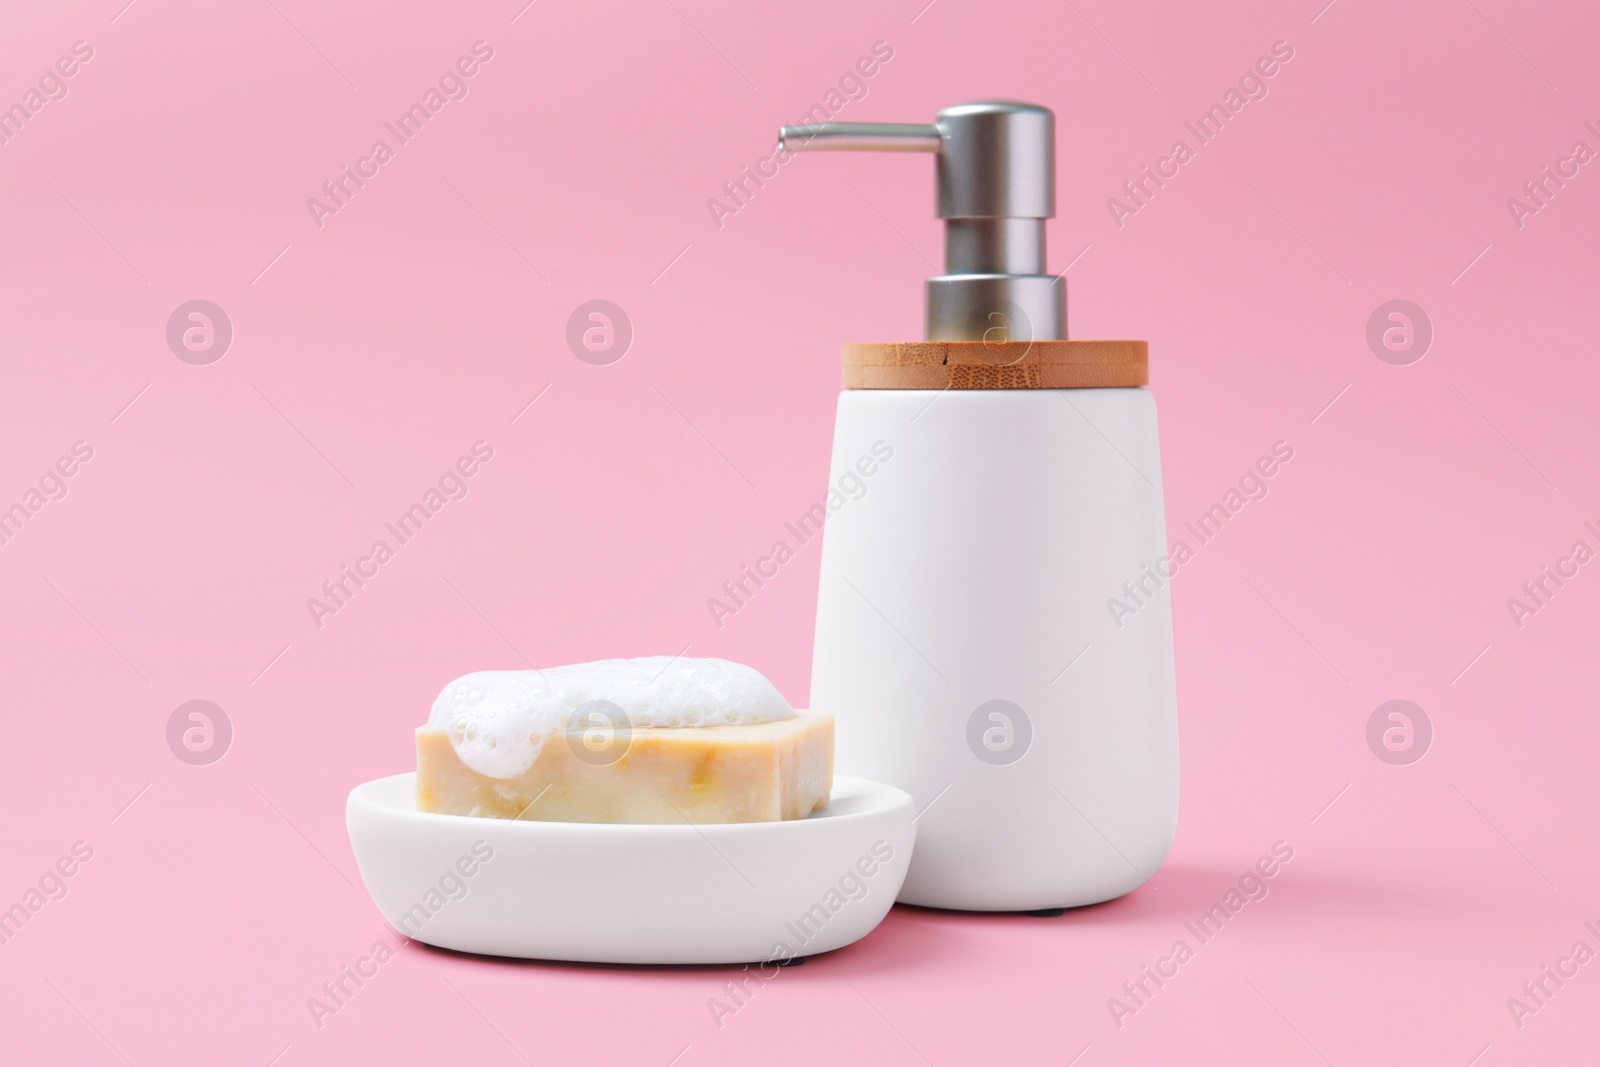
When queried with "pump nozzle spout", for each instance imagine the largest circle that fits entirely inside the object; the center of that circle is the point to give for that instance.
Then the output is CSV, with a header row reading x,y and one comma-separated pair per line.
x,y
995,162
861,137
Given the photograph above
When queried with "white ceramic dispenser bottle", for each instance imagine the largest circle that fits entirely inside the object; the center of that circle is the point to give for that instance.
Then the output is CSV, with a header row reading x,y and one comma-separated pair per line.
x,y
994,633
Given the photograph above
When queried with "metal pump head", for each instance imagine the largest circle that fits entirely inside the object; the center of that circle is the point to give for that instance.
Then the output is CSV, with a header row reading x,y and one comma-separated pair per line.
x,y
996,175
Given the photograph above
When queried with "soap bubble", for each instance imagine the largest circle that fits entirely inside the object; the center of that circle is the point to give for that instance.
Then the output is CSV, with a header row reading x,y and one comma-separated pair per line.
x,y
519,710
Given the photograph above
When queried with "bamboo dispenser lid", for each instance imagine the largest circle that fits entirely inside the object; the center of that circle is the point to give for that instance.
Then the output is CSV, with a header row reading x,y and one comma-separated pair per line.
x,y
1002,365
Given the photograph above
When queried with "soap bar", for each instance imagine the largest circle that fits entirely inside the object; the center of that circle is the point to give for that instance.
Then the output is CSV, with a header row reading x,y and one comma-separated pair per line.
x,y
750,772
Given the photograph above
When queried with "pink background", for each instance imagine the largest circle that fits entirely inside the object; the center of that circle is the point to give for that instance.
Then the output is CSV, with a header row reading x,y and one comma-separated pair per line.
x,y
425,315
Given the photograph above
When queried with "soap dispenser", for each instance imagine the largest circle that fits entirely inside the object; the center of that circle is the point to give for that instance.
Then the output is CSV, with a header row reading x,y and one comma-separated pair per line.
x,y
994,632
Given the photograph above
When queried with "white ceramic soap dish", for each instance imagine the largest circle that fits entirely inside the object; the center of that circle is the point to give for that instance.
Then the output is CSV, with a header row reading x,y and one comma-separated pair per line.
x,y
638,894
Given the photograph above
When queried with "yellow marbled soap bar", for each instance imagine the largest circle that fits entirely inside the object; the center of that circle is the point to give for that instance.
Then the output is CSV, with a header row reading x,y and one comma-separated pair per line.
x,y
751,772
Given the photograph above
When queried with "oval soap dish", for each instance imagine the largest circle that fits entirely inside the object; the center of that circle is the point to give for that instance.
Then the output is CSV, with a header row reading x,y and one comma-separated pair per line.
x,y
630,893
